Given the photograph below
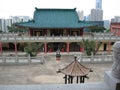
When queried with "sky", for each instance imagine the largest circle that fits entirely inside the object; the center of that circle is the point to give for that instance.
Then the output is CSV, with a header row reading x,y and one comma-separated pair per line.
x,y
9,8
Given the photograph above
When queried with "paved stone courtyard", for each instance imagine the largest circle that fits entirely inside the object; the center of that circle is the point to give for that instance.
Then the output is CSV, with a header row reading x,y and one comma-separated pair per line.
x,y
46,73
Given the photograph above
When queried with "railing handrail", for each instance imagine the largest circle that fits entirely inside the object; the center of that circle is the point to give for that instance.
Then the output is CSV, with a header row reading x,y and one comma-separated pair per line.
x,y
95,59
17,59
53,38
41,59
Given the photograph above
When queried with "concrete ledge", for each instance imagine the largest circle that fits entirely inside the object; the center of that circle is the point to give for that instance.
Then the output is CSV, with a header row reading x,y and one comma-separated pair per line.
x,y
110,80
86,86
109,84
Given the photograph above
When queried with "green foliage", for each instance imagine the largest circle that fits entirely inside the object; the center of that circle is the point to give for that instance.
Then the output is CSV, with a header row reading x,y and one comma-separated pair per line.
x,y
90,47
107,31
80,44
32,48
98,46
13,28
1,31
97,29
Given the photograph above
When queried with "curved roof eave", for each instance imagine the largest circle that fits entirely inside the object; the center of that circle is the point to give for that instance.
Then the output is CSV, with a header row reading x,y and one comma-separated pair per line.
x,y
33,25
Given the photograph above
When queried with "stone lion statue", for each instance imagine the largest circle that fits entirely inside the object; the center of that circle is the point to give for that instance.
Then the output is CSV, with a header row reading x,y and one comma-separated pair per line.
x,y
116,62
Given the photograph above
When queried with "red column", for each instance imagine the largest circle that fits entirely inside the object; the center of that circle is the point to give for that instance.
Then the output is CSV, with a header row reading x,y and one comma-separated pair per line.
x,y
81,32
68,47
45,33
109,47
29,33
66,32
45,47
81,49
0,47
15,47
102,46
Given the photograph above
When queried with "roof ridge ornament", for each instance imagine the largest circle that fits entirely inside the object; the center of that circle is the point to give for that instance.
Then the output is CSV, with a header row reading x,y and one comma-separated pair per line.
x,y
75,8
36,8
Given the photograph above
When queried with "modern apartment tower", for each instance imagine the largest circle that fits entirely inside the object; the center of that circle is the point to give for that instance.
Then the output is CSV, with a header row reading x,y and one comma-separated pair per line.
x,y
99,4
97,13
81,15
4,23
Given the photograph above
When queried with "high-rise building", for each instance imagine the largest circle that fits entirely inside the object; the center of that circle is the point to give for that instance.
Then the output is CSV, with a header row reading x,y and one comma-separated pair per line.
x,y
116,19
81,15
107,24
99,4
0,24
20,19
4,23
96,15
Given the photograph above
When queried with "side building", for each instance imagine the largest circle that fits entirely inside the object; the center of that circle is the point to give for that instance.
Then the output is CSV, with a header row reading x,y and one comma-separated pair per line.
x,y
115,28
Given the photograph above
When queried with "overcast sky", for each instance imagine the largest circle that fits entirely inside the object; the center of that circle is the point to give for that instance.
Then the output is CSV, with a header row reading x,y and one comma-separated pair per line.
x,y
8,8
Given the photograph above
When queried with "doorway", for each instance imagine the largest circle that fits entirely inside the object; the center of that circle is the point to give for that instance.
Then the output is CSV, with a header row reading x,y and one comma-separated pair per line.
x,y
57,32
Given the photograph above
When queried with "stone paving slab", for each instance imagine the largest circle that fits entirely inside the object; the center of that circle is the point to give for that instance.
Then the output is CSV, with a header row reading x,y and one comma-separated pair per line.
x,y
46,73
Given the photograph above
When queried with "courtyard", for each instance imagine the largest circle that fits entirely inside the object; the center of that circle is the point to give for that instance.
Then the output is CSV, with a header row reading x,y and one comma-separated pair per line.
x,y
47,73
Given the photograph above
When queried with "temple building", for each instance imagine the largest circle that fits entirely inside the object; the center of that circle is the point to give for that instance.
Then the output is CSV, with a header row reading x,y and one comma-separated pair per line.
x,y
56,29
57,23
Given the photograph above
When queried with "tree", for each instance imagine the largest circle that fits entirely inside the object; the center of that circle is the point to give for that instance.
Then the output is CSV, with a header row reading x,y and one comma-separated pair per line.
x,y
97,29
97,47
33,48
13,28
107,31
1,31
91,47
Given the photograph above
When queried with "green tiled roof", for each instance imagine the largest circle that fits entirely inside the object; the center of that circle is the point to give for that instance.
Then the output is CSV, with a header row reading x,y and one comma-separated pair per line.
x,y
55,18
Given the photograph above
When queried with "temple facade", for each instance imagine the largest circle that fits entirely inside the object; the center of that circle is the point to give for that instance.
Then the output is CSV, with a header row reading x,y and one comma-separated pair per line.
x,y
57,23
55,29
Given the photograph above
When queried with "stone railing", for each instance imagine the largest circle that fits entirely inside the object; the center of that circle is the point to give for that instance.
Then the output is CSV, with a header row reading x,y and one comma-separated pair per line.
x,y
95,59
21,59
41,59
56,39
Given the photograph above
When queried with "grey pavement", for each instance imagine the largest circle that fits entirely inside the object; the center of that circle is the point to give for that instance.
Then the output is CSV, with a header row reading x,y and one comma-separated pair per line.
x,y
87,86
46,73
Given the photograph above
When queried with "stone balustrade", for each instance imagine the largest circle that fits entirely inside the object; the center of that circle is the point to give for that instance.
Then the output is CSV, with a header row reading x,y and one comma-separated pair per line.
x,y
17,38
14,59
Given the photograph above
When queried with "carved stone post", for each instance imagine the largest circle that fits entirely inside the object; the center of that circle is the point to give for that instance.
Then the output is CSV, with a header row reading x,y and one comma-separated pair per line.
x,y
116,63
